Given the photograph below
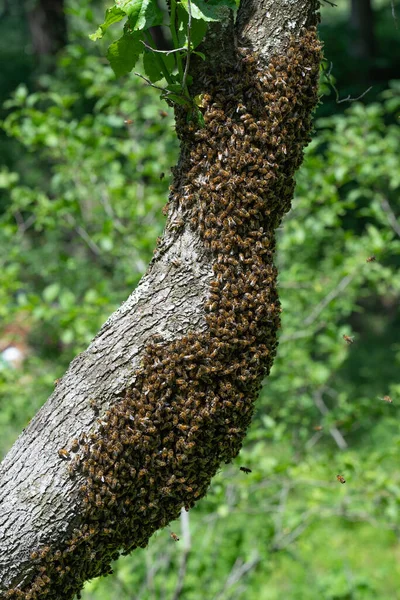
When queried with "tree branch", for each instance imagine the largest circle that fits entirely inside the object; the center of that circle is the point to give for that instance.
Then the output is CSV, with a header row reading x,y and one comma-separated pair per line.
x,y
165,392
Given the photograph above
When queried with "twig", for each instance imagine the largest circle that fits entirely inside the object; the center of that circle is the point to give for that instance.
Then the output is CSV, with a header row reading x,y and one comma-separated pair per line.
x,y
287,539
394,15
185,528
313,316
324,410
85,236
393,222
23,225
330,3
349,99
163,51
314,439
188,44
343,283
297,335
150,83
239,570
280,511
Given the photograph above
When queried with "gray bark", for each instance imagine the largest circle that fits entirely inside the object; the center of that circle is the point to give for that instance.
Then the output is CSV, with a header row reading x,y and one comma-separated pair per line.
x,y
362,43
48,26
37,498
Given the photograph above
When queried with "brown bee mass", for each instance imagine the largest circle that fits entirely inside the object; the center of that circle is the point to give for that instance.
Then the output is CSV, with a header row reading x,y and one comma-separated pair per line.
x,y
156,449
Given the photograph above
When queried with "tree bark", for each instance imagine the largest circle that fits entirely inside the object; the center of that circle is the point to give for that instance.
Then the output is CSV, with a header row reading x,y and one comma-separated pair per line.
x,y
362,26
142,419
48,27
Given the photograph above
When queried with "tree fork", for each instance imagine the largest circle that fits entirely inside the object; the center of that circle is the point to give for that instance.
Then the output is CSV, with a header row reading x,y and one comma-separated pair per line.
x,y
164,394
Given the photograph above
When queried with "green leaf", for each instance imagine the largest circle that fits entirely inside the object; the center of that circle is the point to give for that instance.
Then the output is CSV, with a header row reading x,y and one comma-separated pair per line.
x,y
175,87
197,31
201,54
209,11
152,67
51,292
142,13
113,15
124,53
178,99
152,64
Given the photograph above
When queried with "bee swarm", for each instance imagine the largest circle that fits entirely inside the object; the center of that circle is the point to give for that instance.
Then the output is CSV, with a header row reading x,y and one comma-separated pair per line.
x,y
156,449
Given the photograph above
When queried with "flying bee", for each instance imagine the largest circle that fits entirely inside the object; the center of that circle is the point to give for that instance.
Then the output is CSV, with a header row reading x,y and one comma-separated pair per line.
x,y
318,428
349,340
245,470
386,399
174,537
163,114
371,259
128,121
63,453
340,478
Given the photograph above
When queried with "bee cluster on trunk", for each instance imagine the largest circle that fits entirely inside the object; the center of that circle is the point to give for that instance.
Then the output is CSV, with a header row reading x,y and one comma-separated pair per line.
x,y
156,449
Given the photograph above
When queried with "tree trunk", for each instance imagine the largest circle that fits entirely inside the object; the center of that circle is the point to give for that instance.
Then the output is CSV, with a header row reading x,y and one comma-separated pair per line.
x,y
143,418
362,26
48,27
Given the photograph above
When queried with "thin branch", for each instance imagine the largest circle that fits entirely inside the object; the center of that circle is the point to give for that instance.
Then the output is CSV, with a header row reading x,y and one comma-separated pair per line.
x,y
239,570
313,316
349,99
185,528
85,236
394,15
324,410
297,335
343,283
22,224
164,51
314,439
393,222
330,3
281,511
150,83
188,43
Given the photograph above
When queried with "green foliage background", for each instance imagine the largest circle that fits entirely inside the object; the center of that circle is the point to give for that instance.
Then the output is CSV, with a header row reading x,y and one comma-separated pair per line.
x,y
81,195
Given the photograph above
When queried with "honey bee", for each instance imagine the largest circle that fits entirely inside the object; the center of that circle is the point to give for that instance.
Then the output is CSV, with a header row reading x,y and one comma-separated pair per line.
x,y
371,259
245,470
63,453
93,405
349,340
318,428
174,537
163,114
340,478
128,121
387,399
75,445
57,381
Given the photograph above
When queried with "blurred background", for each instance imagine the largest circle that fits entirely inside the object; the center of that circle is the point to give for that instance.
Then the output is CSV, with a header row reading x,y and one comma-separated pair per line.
x,y
81,194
